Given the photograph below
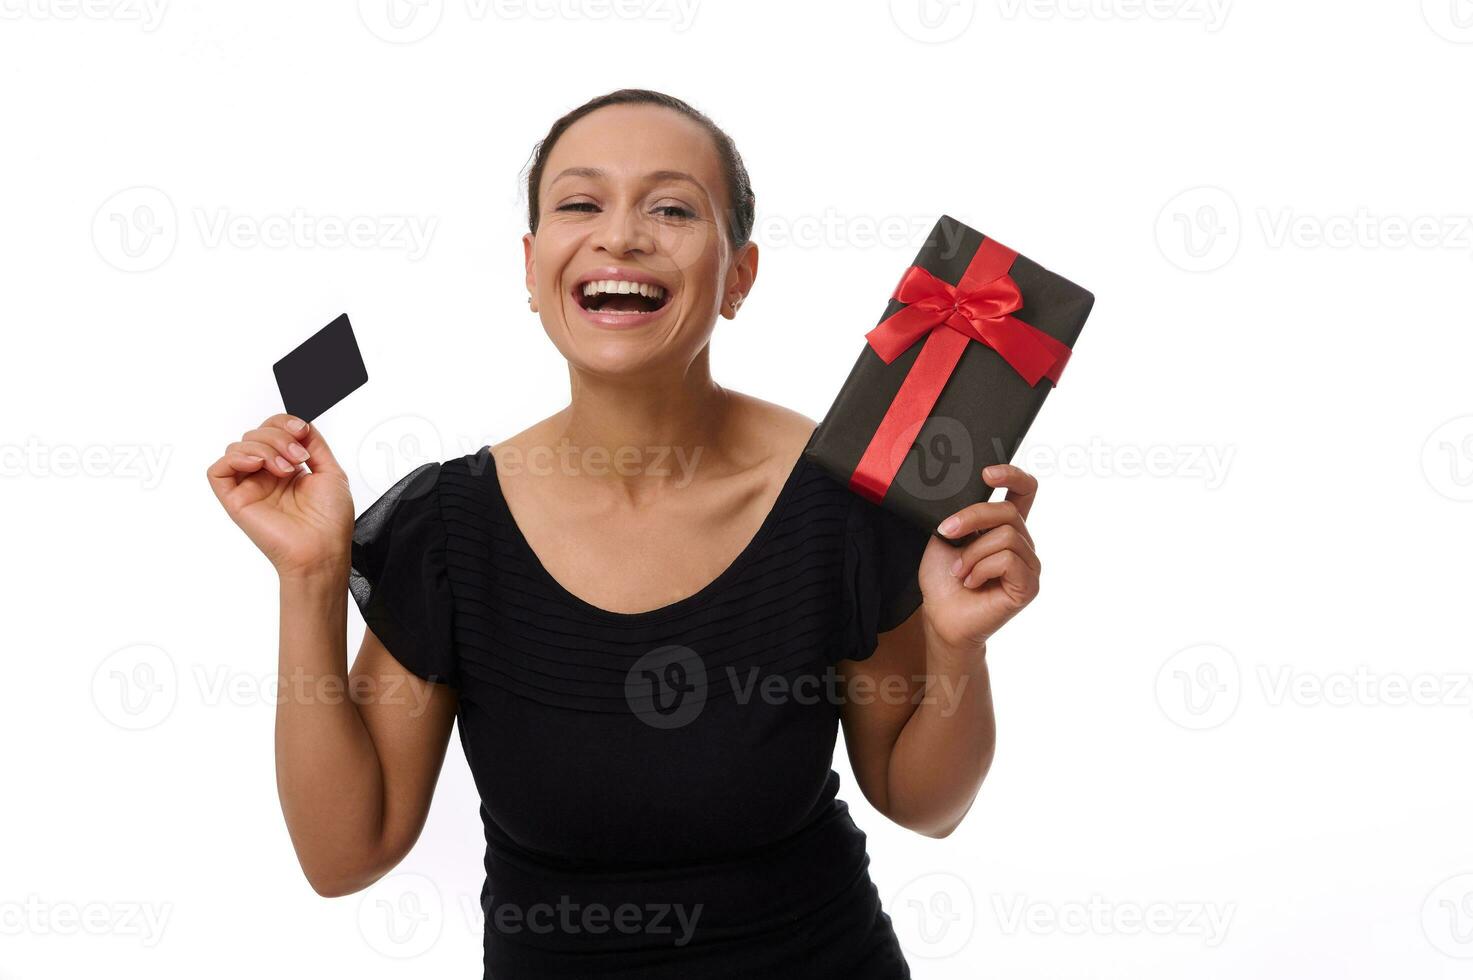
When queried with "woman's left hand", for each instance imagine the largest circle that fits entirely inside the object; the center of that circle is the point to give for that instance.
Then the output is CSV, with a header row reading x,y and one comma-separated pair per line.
x,y
971,591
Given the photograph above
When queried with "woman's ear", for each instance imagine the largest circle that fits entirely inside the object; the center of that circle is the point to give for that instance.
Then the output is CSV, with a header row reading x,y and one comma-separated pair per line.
x,y
739,281
528,241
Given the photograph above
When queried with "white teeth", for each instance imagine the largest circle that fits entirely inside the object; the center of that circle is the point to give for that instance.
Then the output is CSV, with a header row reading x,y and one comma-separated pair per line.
x,y
622,286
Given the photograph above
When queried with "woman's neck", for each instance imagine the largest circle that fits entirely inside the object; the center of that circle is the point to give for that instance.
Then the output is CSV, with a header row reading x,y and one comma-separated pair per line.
x,y
646,433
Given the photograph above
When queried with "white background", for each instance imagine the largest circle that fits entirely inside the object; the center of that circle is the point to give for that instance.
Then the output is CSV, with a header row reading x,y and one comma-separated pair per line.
x,y
1240,709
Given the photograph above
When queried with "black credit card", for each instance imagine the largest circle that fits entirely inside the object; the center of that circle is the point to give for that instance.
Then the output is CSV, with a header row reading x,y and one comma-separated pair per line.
x,y
323,370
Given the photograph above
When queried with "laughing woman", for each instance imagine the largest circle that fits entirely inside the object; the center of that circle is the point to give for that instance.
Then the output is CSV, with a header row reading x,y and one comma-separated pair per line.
x,y
648,613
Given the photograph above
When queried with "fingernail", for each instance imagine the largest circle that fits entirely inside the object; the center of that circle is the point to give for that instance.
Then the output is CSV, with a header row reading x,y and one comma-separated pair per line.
x,y
956,567
297,452
284,463
295,425
992,472
950,526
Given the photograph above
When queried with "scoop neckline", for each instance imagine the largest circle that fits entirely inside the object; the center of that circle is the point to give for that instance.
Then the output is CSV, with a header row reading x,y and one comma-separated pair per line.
x,y
658,613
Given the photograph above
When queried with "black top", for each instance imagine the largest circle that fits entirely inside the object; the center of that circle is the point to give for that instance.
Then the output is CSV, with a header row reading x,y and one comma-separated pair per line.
x,y
655,787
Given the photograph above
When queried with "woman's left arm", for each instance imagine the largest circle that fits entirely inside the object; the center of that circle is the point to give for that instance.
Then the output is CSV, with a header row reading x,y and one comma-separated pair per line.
x,y
917,714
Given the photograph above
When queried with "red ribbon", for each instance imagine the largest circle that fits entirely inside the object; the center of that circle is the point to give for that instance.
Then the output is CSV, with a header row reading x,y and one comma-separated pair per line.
x,y
979,308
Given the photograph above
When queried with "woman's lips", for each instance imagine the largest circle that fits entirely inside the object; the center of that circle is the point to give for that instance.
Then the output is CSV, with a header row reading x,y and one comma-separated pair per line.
x,y
609,315
619,321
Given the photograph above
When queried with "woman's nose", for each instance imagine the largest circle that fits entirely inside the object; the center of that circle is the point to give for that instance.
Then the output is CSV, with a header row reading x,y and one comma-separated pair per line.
x,y
623,231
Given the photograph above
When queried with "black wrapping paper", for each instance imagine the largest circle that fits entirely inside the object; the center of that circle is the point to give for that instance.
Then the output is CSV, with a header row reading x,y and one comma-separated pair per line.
x,y
984,410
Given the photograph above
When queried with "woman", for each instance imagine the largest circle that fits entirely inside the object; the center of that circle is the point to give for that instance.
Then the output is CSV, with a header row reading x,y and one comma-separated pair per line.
x,y
648,612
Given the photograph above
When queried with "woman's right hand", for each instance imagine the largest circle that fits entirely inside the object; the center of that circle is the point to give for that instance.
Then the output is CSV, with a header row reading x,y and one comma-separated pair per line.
x,y
301,519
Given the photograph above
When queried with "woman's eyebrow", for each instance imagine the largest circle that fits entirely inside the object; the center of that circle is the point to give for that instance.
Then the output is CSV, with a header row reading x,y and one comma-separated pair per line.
x,y
594,173
681,175
591,172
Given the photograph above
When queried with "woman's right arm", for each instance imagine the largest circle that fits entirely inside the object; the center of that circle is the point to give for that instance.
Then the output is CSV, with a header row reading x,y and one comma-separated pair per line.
x,y
357,753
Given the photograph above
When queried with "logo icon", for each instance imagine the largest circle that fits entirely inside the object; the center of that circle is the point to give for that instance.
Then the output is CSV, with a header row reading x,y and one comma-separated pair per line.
x,y
1199,230
136,687
394,447
939,462
935,915
401,916
1199,688
136,229
1447,459
933,21
401,21
1447,917
666,687
1452,20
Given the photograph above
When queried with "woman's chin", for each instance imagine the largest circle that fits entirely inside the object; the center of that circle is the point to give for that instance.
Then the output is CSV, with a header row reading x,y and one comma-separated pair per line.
x,y
618,354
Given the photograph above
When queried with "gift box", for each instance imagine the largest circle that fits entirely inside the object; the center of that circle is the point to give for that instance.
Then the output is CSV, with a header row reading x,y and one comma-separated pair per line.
x,y
972,341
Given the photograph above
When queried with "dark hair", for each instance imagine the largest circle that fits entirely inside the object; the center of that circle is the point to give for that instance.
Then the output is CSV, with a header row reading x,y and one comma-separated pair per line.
x,y
742,201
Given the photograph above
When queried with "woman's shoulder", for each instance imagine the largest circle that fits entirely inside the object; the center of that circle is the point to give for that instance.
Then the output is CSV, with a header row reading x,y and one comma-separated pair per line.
x,y
773,413
782,432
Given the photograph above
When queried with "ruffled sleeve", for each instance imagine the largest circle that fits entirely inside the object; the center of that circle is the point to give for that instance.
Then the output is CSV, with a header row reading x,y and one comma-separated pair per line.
x,y
882,557
398,576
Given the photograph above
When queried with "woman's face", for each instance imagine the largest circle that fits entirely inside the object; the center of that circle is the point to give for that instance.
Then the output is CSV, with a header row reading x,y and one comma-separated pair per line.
x,y
631,263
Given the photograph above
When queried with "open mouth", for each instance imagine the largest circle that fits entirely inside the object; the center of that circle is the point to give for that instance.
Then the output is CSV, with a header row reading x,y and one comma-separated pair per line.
x,y
620,296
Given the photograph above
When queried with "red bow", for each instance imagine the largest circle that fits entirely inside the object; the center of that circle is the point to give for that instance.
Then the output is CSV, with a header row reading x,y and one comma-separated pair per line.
x,y
980,307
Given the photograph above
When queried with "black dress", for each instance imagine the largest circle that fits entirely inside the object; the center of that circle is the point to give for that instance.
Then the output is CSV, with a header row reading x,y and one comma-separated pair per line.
x,y
656,787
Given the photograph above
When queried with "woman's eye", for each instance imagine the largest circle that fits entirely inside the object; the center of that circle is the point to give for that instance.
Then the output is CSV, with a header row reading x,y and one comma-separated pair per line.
x,y
578,206
675,211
